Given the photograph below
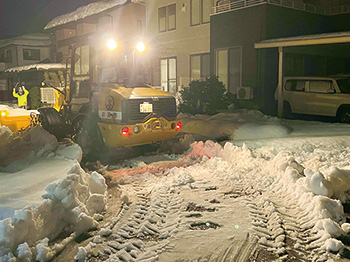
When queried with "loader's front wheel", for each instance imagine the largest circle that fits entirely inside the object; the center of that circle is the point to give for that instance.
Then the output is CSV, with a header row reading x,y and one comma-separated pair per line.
x,y
87,135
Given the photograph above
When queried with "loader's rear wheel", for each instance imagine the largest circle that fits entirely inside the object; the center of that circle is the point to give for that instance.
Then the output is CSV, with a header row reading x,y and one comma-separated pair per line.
x,y
88,137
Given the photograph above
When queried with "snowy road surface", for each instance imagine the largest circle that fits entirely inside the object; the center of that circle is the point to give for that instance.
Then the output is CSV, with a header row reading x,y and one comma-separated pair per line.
x,y
275,193
276,201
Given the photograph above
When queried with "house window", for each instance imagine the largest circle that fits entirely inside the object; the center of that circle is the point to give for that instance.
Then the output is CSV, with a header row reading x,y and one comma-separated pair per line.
x,y
31,54
200,11
6,56
167,18
228,67
200,66
168,74
162,19
171,17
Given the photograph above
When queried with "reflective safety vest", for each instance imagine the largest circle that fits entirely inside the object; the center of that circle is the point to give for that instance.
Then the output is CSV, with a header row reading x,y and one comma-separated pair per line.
x,y
22,99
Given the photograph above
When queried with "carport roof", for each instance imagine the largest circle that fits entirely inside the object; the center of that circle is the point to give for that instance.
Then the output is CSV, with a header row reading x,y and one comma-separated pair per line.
x,y
304,40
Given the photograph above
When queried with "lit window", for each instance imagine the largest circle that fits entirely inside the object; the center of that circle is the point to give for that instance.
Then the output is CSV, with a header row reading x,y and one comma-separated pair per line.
x,y
168,74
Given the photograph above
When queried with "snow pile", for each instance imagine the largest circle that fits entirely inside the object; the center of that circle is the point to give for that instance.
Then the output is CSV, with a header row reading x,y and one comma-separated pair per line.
x,y
309,190
69,206
240,125
5,134
35,143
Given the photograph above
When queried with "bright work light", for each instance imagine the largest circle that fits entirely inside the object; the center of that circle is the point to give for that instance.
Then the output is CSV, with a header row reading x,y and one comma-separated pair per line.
x,y
3,113
112,45
140,47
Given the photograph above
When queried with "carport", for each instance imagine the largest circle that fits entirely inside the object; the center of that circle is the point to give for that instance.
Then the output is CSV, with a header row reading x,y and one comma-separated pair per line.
x,y
330,43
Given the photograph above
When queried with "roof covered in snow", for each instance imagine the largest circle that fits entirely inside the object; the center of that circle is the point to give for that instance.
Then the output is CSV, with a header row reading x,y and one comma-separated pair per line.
x,y
37,39
47,66
84,11
315,39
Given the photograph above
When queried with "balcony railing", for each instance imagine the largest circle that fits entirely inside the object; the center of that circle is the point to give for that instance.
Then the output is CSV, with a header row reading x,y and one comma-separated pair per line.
x,y
227,5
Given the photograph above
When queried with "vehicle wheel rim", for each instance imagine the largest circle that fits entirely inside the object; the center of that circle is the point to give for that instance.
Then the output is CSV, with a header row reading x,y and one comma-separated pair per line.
x,y
346,117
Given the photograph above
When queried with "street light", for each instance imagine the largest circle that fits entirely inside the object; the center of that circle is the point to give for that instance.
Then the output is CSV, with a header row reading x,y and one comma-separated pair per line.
x,y
140,47
111,44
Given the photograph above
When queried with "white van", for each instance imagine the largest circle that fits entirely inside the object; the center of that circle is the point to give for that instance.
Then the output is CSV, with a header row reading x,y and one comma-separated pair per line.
x,y
325,96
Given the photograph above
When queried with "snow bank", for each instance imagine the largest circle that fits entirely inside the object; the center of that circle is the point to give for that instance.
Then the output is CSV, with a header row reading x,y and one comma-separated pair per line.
x,y
240,125
5,134
316,195
69,206
35,143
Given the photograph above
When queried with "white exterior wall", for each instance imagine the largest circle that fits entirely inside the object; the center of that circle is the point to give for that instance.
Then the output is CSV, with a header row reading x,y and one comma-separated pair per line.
x,y
44,53
182,42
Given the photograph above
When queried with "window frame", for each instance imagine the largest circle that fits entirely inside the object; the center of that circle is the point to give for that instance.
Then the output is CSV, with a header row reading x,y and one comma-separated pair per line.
x,y
6,56
31,57
228,64
166,8
168,16
167,66
200,13
200,65
165,26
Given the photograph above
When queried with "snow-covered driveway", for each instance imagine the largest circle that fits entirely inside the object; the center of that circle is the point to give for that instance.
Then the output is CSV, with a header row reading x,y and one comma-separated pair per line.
x,y
273,193
263,201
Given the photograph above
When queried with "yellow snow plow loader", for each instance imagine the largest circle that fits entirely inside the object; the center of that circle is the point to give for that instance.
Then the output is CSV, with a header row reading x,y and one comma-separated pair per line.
x,y
107,109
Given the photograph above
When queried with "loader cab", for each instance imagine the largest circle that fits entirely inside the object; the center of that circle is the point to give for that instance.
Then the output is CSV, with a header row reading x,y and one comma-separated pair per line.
x,y
80,80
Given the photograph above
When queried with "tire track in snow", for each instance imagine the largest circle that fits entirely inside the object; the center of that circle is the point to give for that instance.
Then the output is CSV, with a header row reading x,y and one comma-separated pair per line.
x,y
283,226
142,228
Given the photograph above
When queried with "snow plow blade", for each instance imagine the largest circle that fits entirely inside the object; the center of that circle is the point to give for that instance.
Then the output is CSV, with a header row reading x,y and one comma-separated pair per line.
x,y
14,122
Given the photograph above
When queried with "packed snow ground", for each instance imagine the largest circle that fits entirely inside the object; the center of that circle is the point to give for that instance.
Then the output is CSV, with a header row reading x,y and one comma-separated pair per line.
x,y
278,186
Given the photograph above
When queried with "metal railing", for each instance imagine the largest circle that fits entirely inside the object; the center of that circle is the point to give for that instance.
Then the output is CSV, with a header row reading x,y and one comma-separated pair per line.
x,y
227,5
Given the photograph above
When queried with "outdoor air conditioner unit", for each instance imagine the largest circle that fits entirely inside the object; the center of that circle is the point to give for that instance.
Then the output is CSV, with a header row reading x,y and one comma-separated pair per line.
x,y
244,92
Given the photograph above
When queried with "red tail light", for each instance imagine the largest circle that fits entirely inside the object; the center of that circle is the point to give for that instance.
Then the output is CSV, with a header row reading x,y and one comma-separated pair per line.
x,y
178,126
126,131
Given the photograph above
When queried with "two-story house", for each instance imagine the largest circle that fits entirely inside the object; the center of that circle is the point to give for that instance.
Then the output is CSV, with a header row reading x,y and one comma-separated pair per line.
x,y
21,51
176,33
180,35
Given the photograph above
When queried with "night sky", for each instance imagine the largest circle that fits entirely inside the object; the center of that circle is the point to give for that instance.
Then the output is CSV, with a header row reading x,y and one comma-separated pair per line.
x,y
28,16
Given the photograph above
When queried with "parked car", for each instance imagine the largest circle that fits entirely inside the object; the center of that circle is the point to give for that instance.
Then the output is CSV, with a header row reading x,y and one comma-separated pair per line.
x,y
324,96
